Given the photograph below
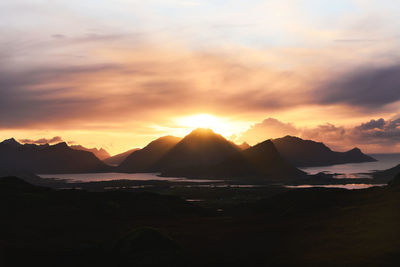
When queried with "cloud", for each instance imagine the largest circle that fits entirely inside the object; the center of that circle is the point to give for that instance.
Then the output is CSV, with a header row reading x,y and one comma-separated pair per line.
x,y
42,141
327,132
267,129
367,87
372,125
379,135
385,132
137,83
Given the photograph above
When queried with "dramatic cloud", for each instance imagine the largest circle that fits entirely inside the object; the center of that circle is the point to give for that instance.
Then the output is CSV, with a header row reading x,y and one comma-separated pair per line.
x,y
42,141
375,135
126,70
378,132
269,128
368,87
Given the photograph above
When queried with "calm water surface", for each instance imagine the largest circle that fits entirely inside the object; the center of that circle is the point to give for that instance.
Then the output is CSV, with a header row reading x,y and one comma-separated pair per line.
x,y
100,177
358,170
353,170
344,186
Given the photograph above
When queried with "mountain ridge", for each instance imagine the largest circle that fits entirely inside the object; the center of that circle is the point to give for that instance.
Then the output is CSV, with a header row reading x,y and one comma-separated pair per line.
x,y
101,153
50,159
143,160
309,153
261,161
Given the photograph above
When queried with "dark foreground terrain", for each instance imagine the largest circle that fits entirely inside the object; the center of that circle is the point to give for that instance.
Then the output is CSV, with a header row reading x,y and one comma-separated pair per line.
x,y
266,226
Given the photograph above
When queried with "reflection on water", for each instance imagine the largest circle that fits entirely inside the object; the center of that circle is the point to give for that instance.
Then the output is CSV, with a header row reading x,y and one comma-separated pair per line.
x,y
345,186
127,187
100,177
194,200
225,186
353,176
358,170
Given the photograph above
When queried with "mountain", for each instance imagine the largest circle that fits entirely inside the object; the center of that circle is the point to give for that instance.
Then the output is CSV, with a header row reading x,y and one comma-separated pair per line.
x,y
143,160
200,148
59,158
244,146
308,153
261,161
119,158
385,176
396,181
101,153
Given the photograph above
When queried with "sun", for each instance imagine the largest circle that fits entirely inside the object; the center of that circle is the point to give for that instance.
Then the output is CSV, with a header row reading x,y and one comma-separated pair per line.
x,y
200,121
204,120
225,126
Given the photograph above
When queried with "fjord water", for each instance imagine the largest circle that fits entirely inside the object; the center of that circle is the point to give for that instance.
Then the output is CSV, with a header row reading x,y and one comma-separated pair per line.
x,y
344,186
358,170
352,170
110,176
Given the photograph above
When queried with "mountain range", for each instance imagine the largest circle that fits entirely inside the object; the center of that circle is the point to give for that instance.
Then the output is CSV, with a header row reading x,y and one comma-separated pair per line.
x,y
205,154
144,160
58,158
101,153
119,158
202,148
200,154
308,153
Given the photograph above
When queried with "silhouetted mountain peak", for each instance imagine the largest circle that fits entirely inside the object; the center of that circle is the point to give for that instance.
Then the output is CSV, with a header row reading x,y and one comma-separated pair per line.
x,y
266,147
203,132
356,149
11,142
143,160
291,137
58,158
267,143
244,146
61,145
294,140
119,158
101,153
203,136
307,153
199,148
162,141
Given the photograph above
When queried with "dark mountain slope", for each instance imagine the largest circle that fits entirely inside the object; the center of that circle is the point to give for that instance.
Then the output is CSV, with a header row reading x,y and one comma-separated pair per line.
x,y
59,158
200,148
244,146
101,153
143,160
307,153
119,158
261,161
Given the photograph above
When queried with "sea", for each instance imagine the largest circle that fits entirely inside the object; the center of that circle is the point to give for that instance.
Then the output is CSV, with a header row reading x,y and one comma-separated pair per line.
x,y
340,171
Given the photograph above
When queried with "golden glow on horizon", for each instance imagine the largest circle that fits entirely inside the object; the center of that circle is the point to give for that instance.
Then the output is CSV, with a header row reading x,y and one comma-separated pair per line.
x,y
204,120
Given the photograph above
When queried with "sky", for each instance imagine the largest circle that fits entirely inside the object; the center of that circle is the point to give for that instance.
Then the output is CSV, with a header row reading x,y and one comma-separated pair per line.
x,y
118,74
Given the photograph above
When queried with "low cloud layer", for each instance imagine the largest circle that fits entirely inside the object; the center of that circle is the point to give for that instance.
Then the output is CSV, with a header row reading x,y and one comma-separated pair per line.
x,y
42,141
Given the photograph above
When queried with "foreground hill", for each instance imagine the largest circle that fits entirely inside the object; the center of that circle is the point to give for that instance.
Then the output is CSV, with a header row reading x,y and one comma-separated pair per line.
x,y
144,159
101,153
119,158
59,158
301,227
307,153
199,149
261,161
387,175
